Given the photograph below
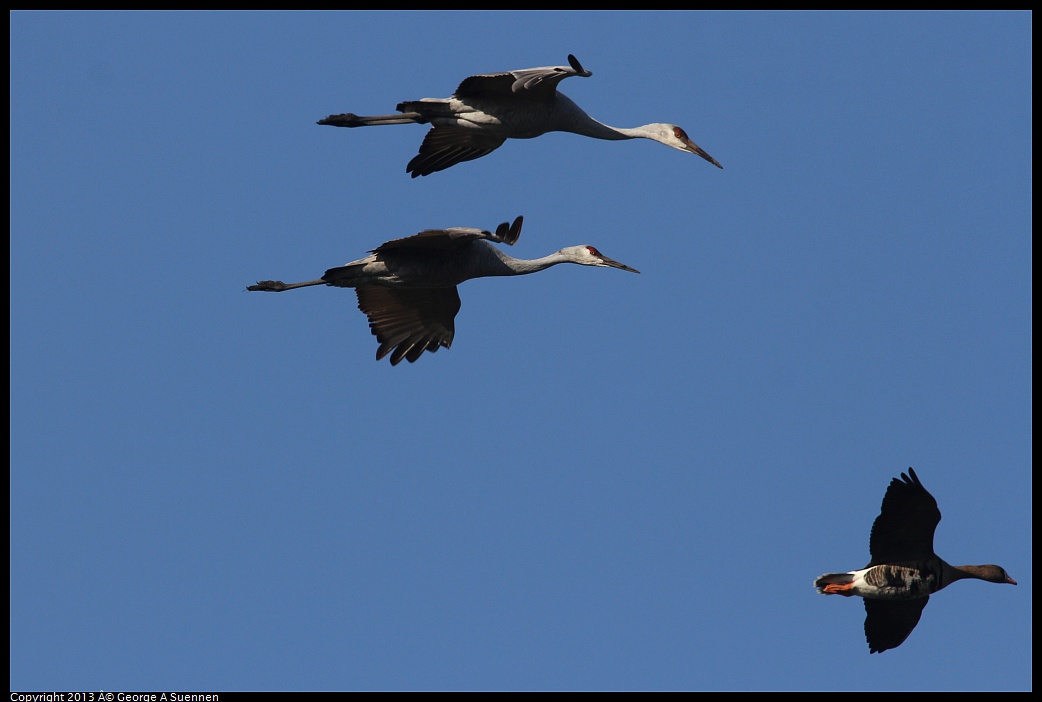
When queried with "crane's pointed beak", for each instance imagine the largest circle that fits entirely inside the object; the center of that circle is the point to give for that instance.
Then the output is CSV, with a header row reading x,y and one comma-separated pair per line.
x,y
696,149
612,263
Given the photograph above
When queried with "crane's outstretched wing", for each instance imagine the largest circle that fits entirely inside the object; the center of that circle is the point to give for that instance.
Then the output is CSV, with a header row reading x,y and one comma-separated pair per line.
x,y
444,147
889,622
454,237
525,83
904,529
409,321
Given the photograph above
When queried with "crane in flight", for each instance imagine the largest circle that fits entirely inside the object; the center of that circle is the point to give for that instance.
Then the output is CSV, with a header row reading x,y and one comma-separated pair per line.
x,y
407,287
488,109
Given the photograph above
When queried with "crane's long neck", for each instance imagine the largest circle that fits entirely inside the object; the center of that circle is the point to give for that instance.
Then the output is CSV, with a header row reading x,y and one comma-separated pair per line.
x,y
572,118
598,130
503,264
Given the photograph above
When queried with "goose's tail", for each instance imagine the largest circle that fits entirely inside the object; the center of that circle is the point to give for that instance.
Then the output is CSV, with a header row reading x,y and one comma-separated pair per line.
x,y
835,584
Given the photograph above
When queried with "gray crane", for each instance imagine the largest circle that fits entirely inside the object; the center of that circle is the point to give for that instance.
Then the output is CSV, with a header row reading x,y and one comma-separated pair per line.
x,y
488,109
407,287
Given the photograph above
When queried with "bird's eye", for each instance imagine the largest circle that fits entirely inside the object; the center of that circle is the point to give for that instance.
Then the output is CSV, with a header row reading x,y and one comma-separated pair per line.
x,y
679,133
594,251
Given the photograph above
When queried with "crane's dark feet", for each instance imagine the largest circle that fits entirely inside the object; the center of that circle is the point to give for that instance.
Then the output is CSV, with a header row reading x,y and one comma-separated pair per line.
x,y
269,286
348,119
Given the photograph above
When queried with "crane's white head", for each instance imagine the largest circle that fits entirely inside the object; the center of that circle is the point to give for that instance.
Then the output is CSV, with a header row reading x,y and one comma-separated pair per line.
x,y
589,256
672,135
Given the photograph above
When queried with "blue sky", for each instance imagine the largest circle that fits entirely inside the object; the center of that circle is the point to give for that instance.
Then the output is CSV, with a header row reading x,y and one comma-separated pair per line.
x,y
610,481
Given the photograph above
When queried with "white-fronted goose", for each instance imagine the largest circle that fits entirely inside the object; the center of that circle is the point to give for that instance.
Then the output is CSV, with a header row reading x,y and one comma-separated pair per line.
x,y
904,570
488,109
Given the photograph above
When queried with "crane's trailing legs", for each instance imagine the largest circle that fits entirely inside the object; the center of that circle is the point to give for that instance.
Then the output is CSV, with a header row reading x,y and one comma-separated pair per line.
x,y
349,119
279,286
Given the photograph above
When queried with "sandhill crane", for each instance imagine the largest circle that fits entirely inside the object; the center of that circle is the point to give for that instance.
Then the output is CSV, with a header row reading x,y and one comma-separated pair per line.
x,y
904,570
486,110
407,287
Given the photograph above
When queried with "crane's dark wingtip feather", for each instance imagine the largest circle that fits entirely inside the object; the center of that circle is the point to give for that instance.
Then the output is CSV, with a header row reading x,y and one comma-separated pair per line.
x,y
507,232
515,229
574,63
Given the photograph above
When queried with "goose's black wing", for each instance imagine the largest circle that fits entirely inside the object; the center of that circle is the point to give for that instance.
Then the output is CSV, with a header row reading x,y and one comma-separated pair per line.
x,y
903,531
